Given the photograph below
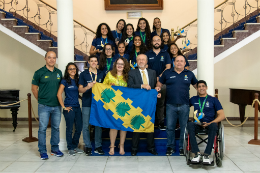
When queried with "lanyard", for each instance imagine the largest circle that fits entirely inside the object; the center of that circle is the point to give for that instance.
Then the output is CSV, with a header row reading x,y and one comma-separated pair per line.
x,y
102,41
201,108
92,77
109,64
143,36
130,39
118,34
136,54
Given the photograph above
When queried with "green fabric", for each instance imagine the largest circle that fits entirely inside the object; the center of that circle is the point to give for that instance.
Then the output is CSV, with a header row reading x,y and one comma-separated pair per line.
x,y
48,83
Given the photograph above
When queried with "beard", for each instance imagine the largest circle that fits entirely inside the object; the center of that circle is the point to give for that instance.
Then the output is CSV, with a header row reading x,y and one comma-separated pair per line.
x,y
156,46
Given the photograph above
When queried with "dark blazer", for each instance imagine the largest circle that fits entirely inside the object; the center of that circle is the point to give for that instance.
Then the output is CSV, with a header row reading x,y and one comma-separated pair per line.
x,y
135,78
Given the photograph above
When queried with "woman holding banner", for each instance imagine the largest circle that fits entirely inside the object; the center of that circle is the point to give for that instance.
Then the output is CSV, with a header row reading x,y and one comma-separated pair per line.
x,y
118,77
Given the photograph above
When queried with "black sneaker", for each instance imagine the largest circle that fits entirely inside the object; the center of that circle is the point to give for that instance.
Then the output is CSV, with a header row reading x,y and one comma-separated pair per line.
x,y
181,152
161,126
99,151
169,151
88,151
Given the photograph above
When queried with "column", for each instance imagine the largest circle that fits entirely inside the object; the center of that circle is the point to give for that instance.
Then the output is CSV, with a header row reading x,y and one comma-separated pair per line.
x,y
205,51
65,49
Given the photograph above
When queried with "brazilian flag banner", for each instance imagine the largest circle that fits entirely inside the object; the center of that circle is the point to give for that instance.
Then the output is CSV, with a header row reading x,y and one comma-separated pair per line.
x,y
122,108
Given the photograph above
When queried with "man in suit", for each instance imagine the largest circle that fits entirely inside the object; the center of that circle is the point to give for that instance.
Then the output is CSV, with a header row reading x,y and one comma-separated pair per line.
x,y
145,79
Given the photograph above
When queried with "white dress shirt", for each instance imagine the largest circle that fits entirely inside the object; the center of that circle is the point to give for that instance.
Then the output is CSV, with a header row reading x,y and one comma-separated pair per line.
x,y
146,73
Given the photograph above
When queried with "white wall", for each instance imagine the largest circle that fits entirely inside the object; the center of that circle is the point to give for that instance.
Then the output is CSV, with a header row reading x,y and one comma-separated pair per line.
x,y
17,66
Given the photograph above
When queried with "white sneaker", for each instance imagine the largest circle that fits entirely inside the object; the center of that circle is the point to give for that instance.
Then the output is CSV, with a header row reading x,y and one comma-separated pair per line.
x,y
196,158
206,160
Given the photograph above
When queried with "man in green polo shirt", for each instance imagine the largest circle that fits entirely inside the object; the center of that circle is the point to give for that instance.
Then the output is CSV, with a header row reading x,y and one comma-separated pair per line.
x,y
45,85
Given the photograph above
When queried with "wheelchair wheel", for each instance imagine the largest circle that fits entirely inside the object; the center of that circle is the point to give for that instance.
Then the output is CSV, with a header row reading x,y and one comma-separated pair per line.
x,y
221,142
188,157
185,141
218,161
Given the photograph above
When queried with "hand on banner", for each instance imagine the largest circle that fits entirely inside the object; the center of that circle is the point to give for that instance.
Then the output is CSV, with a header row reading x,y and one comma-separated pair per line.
x,y
146,86
158,89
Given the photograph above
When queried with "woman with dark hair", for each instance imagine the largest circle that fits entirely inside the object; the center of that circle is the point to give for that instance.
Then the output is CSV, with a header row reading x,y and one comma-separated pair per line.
x,y
121,51
166,40
106,59
71,107
117,34
127,37
174,51
103,36
144,31
157,28
138,48
118,77
87,79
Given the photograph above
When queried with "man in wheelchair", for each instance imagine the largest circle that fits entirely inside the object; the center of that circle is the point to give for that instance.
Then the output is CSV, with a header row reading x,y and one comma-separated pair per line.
x,y
209,114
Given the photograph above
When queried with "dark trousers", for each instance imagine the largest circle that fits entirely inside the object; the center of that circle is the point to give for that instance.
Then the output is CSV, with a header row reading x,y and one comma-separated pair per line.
x,y
160,106
212,131
136,138
71,117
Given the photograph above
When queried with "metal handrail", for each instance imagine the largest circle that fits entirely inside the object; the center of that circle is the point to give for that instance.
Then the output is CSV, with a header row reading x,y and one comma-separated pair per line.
x,y
73,20
197,19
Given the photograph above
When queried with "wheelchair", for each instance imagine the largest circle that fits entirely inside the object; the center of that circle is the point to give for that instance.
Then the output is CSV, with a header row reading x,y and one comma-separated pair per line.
x,y
219,145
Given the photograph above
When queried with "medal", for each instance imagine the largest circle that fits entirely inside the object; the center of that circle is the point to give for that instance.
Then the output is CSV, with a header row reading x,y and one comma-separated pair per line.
x,y
103,41
199,116
92,77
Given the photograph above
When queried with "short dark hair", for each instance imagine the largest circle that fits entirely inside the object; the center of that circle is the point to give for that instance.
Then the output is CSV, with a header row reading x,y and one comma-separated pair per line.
x,y
92,56
201,81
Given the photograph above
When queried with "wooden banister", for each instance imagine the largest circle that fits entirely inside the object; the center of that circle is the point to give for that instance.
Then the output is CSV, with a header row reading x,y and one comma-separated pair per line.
x,y
73,20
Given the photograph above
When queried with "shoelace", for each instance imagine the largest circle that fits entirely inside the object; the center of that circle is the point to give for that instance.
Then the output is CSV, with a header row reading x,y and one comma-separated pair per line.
x,y
206,157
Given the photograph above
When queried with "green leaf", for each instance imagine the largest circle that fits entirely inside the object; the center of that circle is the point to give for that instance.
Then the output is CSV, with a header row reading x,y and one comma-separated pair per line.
x,y
122,109
107,95
137,121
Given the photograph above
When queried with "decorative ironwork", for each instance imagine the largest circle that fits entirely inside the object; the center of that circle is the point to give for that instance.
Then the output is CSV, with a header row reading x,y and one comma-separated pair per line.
x,y
227,14
44,18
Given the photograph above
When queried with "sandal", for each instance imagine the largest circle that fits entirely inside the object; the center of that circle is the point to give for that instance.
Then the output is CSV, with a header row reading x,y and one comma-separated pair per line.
x,y
111,153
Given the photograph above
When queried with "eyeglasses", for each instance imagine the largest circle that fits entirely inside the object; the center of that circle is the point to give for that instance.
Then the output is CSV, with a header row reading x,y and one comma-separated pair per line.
x,y
120,64
72,69
108,49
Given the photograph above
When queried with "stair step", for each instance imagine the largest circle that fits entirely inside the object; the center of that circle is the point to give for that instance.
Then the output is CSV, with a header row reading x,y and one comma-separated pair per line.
x,y
53,47
232,38
252,24
80,61
2,12
221,45
240,31
32,33
7,19
21,26
44,40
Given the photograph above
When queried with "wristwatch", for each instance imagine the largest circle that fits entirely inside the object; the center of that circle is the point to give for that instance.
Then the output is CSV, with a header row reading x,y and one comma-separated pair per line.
x,y
64,108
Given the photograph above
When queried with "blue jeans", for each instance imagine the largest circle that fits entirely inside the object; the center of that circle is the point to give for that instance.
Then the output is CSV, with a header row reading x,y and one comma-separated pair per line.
x,y
212,131
174,112
86,135
46,112
71,117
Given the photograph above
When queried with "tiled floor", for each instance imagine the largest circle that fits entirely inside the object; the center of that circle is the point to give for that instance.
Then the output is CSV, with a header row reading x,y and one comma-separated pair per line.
x,y
18,156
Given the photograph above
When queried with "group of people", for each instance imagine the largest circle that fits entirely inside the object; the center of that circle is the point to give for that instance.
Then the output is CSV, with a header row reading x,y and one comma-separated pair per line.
x,y
124,58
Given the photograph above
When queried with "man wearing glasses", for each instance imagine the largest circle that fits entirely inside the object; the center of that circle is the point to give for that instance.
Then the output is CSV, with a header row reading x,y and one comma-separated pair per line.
x,y
45,85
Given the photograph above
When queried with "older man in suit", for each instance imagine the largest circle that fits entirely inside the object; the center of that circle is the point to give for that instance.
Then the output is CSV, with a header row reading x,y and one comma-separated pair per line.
x,y
143,78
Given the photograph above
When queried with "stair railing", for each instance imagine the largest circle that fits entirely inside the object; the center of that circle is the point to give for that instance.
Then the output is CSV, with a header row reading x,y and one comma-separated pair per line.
x,y
228,14
43,17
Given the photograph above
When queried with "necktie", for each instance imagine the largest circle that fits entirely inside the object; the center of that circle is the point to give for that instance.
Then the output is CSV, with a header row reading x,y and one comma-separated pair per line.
x,y
144,78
